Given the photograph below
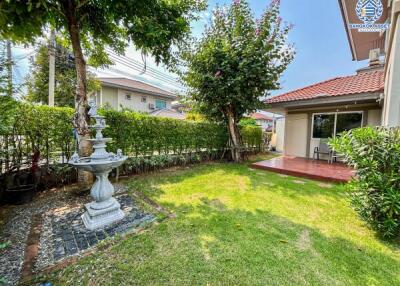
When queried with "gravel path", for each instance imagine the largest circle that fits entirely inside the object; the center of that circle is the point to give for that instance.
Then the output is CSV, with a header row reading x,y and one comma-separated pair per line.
x,y
60,204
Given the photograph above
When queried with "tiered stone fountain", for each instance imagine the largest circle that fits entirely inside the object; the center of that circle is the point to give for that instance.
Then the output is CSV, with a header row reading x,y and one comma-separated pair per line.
x,y
105,209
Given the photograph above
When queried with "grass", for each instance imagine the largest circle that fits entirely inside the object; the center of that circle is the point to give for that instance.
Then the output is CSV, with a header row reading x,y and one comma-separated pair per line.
x,y
237,226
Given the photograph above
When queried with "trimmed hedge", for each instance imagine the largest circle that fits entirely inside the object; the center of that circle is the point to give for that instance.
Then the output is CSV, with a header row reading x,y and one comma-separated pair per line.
x,y
139,134
151,142
252,135
26,127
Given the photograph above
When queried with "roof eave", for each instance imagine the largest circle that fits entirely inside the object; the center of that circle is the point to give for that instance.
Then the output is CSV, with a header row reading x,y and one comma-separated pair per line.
x,y
360,97
346,26
138,90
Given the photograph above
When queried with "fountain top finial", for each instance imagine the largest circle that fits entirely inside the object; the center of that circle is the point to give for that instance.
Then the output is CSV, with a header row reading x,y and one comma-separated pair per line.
x,y
93,108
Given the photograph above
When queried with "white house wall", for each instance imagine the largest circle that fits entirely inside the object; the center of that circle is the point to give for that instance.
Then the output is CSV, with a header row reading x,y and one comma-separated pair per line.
x,y
135,103
116,98
110,97
374,117
391,113
280,134
296,135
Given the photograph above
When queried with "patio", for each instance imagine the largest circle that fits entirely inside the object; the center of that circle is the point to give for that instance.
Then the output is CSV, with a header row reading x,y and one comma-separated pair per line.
x,y
307,168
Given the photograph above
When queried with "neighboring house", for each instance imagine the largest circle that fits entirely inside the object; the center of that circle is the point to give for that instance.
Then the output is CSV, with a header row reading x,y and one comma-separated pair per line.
x,y
120,93
265,122
324,109
387,44
169,113
180,107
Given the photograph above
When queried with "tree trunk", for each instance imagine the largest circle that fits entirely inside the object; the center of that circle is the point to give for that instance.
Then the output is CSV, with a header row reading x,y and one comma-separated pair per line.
x,y
235,138
81,119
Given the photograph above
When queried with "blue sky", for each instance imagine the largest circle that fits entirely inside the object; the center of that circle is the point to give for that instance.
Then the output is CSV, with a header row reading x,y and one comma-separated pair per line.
x,y
322,50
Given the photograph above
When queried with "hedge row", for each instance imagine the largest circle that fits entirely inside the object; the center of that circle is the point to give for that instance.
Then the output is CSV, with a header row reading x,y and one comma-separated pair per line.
x,y
25,128
139,134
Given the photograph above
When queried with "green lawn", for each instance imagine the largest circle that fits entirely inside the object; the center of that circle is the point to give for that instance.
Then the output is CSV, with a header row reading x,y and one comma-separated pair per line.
x,y
237,226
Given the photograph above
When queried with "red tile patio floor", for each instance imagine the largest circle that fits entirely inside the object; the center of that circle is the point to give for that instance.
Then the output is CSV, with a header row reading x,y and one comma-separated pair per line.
x,y
307,168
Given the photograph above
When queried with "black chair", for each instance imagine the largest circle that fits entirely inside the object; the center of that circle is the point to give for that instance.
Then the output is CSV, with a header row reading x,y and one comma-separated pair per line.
x,y
323,148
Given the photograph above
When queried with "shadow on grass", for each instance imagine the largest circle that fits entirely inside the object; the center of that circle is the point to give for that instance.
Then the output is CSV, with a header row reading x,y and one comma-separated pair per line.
x,y
209,243
287,185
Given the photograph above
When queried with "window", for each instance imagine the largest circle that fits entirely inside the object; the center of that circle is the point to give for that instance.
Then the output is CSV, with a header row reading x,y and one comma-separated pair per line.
x,y
327,125
347,121
324,125
144,99
161,104
128,96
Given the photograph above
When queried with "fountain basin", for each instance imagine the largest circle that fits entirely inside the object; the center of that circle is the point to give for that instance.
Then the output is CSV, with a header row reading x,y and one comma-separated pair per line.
x,y
98,166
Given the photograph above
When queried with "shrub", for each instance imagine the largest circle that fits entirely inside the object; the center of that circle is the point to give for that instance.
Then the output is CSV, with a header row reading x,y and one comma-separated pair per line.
x,y
25,128
375,193
142,135
247,121
251,136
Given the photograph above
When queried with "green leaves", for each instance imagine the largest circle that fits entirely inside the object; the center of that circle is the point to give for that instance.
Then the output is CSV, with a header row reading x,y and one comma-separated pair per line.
x,y
375,153
237,60
153,26
251,135
65,77
138,134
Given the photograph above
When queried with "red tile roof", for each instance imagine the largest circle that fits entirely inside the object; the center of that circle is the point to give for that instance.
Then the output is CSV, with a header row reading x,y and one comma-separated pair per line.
x,y
260,116
365,82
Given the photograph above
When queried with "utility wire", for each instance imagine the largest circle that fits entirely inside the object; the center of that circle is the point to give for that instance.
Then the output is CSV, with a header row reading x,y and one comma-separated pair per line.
x,y
139,64
139,67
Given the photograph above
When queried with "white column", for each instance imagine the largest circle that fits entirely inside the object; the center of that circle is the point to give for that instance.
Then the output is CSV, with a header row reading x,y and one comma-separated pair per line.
x,y
392,92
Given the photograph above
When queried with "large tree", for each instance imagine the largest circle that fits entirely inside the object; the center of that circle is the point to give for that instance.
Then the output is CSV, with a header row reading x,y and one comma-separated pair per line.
x,y
92,25
37,81
235,63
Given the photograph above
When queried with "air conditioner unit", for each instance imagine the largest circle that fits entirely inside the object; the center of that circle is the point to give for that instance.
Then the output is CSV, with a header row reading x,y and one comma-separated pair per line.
x,y
151,105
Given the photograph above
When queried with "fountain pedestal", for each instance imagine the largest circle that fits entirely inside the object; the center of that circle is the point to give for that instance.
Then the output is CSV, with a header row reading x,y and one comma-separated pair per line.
x,y
104,210
98,218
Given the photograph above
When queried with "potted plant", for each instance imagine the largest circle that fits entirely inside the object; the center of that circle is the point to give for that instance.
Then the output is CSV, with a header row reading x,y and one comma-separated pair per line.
x,y
21,184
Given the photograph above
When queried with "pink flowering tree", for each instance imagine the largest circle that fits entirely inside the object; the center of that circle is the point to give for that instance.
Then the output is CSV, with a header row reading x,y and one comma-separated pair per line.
x,y
235,63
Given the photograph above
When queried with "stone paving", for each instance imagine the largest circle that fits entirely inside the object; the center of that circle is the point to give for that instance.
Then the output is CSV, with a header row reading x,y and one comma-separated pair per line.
x,y
65,235
62,233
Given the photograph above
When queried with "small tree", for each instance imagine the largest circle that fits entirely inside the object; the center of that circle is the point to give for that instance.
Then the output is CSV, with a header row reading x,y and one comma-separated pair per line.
x,y
236,62
37,81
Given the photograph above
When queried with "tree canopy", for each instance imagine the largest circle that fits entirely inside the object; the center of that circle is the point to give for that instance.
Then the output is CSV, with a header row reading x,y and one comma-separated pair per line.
x,y
152,26
93,25
238,60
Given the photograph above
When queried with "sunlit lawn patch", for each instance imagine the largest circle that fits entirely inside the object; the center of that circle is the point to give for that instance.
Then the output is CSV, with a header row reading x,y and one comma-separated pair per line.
x,y
234,226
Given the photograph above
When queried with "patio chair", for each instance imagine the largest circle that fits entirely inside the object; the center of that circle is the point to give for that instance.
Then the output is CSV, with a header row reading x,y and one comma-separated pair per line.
x,y
323,148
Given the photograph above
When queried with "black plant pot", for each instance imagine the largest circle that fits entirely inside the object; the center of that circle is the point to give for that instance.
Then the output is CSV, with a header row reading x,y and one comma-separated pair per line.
x,y
19,194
